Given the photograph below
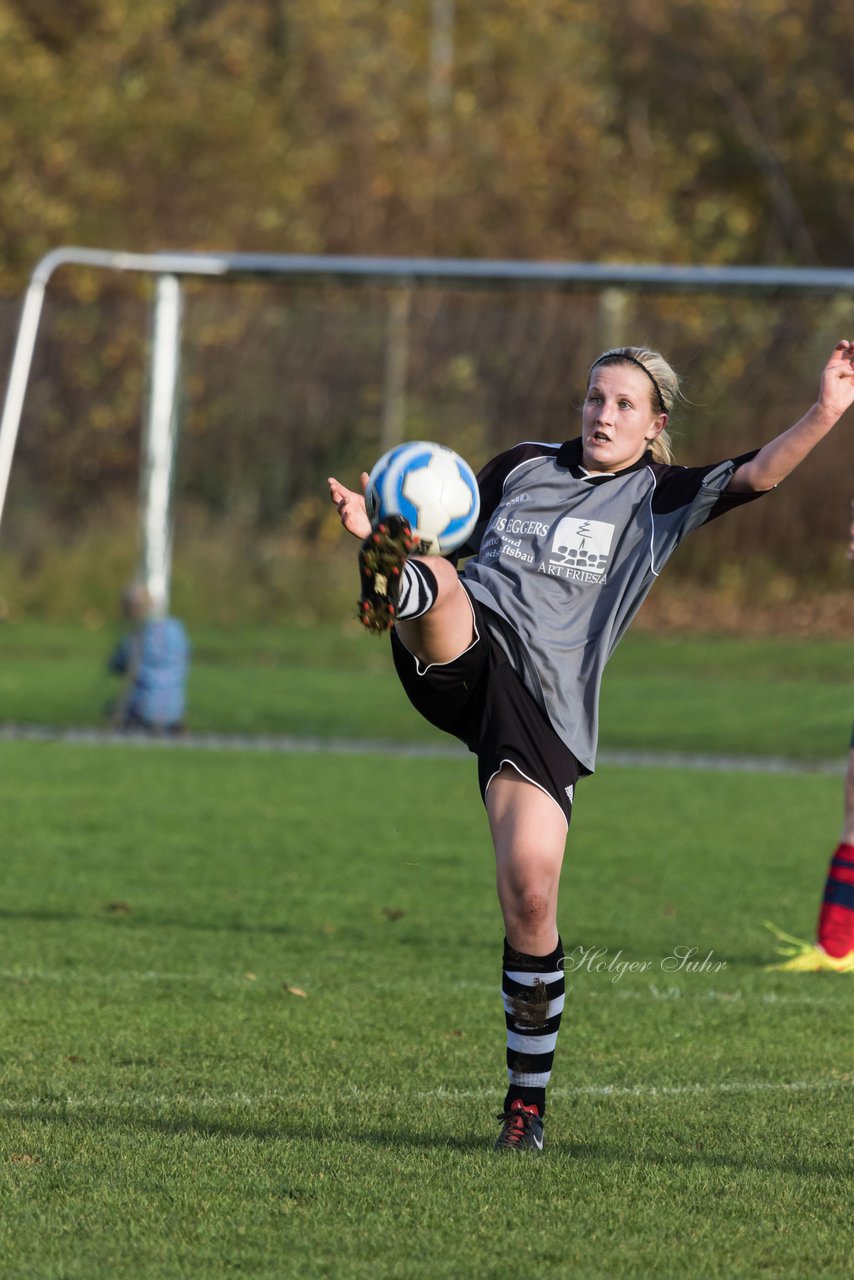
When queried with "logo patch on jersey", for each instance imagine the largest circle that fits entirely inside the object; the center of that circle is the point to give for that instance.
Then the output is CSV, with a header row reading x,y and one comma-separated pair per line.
x,y
580,550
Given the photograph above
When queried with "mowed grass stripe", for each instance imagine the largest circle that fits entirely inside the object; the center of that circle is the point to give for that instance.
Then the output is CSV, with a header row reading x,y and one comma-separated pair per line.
x,y
443,749
280,1097
751,697
112,980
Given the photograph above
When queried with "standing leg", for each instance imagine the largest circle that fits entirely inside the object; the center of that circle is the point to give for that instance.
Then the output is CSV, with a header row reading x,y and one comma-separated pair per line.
x,y
529,834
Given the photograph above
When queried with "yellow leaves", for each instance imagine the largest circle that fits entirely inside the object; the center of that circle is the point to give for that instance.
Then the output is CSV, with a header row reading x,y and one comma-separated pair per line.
x,y
294,991
387,131
307,123
382,186
465,103
702,143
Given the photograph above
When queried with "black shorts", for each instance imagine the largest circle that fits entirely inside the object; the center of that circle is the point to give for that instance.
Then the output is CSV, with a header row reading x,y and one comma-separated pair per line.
x,y
480,699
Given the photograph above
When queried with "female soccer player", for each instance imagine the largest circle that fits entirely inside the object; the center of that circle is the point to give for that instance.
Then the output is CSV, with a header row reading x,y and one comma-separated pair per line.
x,y
508,654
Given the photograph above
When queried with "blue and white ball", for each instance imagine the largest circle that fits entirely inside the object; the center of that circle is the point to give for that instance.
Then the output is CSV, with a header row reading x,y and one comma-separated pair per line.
x,y
430,486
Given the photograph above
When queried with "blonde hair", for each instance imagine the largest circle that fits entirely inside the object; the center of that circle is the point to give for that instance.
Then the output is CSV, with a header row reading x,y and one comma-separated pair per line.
x,y
664,388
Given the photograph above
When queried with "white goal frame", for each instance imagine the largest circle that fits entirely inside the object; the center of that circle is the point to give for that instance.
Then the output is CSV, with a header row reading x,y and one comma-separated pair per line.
x,y
400,274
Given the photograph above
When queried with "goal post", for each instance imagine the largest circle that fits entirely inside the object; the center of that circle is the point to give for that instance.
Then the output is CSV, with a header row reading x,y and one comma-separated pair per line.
x,y
160,441
612,284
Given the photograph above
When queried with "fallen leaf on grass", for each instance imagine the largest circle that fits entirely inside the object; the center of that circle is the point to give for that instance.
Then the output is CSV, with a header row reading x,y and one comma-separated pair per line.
x,y
22,1158
294,991
120,908
393,913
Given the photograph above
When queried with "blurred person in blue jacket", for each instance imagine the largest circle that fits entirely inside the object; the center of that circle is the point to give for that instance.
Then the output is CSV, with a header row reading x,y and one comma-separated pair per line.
x,y
154,658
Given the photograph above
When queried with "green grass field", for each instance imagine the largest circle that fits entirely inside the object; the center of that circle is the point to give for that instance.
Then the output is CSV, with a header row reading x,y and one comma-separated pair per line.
x,y
174,1107
782,697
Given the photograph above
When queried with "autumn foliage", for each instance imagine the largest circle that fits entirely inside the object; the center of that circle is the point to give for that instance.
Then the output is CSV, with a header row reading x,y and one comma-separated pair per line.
x,y
675,131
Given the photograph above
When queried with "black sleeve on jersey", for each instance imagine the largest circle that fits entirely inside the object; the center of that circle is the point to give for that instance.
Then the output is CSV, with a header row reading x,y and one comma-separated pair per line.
x,y
677,487
490,482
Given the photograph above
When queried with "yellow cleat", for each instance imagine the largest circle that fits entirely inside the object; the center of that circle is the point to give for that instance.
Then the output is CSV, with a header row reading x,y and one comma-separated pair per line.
x,y
807,957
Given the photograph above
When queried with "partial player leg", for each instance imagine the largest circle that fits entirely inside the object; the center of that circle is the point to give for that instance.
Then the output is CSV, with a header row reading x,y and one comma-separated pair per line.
x,y
836,918
529,834
834,949
848,821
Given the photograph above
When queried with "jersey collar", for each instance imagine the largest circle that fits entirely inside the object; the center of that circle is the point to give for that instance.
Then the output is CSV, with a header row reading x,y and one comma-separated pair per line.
x,y
569,455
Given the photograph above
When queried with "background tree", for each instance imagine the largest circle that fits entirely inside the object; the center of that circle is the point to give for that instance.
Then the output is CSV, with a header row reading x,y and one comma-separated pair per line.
x,y
707,131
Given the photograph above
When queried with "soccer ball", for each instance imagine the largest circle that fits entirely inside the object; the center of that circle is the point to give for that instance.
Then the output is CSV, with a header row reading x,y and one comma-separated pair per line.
x,y
430,486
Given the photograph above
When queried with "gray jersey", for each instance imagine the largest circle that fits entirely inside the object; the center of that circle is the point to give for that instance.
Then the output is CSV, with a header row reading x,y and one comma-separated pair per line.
x,y
566,559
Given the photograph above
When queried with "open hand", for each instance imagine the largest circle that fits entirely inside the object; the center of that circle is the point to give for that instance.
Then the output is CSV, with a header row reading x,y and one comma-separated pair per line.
x,y
837,379
351,506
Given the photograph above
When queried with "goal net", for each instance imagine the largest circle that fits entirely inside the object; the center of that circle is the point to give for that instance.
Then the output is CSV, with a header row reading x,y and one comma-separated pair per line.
x,y
284,381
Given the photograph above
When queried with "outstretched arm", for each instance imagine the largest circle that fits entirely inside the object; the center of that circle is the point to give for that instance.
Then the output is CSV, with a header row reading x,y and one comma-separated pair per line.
x,y
780,457
351,506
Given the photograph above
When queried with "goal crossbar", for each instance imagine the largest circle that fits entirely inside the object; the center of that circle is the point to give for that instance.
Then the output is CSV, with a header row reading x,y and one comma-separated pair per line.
x,y
461,272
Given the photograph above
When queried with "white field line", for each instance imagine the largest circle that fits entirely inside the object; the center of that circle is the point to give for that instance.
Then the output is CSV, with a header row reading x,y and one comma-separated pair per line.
x,y
593,990
663,1090
79,977
349,746
135,1101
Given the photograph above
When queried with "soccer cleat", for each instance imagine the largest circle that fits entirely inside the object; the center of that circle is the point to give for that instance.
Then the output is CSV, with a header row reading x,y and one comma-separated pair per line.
x,y
807,957
522,1128
381,560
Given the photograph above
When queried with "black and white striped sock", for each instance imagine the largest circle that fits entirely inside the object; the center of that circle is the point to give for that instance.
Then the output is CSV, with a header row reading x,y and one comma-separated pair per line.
x,y
533,989
418,591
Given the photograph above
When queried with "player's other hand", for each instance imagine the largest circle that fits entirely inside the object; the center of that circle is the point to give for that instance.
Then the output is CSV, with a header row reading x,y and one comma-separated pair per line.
x,y
837,379
351,506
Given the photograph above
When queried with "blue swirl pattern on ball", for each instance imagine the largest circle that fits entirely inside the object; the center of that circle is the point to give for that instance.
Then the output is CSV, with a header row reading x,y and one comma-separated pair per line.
x,y
432,487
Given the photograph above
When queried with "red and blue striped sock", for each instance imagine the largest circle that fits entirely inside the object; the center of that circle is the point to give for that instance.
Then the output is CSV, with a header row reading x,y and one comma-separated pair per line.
x,y
836,918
